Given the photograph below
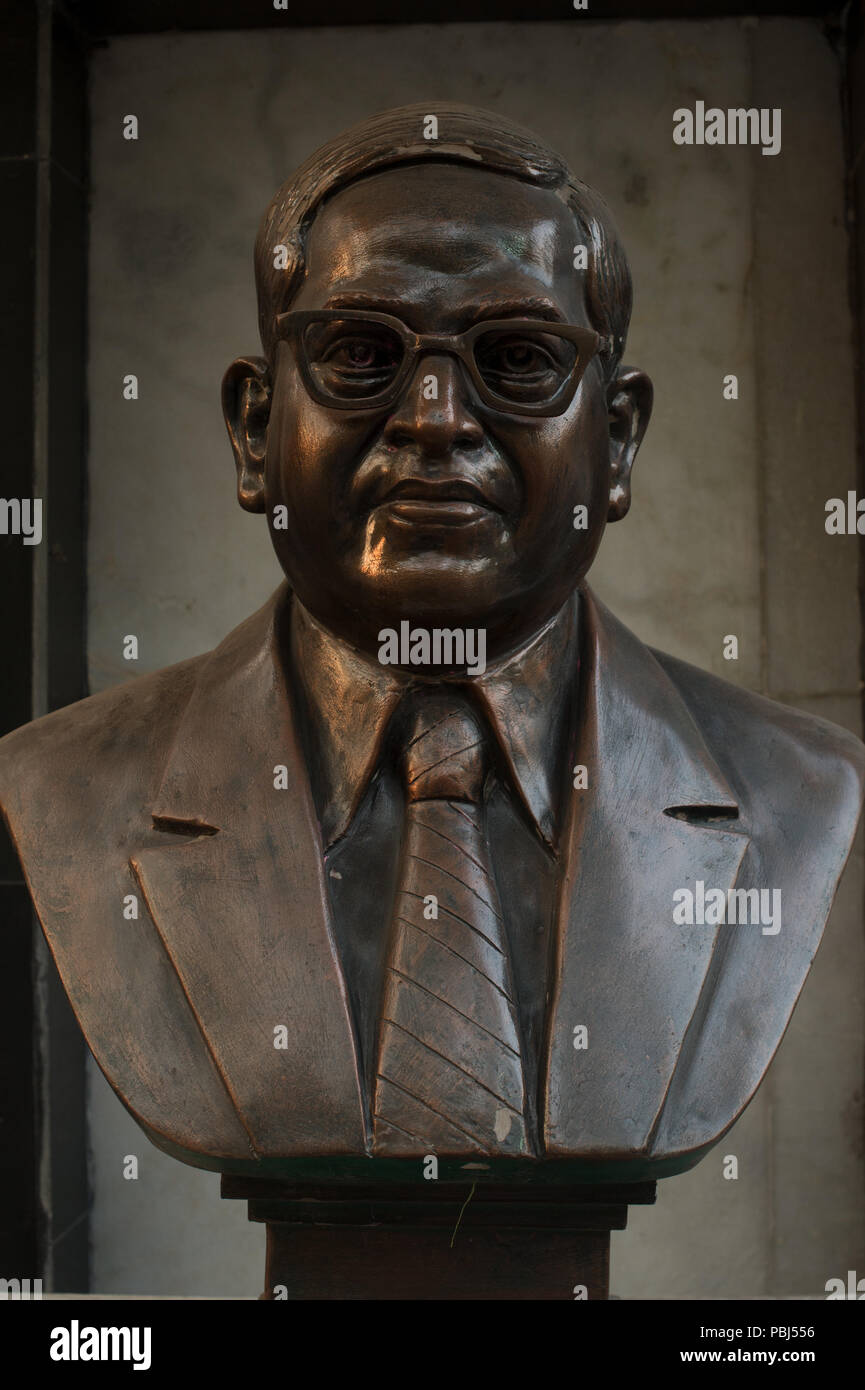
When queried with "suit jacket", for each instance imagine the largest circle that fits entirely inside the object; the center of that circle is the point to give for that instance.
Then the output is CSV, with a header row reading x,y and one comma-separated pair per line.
x,y
163,788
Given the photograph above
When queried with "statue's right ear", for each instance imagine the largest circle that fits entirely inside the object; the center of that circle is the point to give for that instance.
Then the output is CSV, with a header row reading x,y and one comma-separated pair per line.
x,y
246,398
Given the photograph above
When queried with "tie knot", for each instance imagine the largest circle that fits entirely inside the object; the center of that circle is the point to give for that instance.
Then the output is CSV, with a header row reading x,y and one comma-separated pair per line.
x,y
444,751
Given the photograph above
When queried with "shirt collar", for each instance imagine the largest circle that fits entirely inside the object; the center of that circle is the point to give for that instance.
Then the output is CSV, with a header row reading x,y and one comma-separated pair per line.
x,y
349,700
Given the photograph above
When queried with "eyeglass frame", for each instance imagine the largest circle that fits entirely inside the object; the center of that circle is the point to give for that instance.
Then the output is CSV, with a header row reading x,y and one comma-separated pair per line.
x,y
290,325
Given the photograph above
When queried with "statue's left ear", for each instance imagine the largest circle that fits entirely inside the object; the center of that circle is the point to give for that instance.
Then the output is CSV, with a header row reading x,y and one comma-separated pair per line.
x,y
629,404
246,398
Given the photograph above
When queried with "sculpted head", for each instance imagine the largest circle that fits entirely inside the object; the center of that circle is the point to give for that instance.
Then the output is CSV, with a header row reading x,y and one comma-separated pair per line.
x,y
402,480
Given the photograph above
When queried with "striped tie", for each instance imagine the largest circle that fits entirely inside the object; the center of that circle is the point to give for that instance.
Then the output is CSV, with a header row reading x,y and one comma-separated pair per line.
x,y
449,1075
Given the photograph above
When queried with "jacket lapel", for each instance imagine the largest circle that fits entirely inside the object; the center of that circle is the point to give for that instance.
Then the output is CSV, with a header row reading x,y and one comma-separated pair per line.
x,y
624,970
242,907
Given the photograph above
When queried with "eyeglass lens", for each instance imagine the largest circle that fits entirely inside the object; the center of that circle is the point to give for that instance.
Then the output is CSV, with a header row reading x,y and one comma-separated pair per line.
x,y
353,359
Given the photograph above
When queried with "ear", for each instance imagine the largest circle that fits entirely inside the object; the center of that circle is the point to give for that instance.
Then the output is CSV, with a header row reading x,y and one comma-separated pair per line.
x,y
629,404
246,399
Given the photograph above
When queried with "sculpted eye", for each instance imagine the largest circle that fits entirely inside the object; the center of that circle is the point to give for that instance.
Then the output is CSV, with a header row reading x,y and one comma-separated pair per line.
x,y
524,366
518,358
350,358
518,355
361,354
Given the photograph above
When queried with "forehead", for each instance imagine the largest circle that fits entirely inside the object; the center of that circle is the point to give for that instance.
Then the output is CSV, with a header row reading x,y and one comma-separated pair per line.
x,y
435,235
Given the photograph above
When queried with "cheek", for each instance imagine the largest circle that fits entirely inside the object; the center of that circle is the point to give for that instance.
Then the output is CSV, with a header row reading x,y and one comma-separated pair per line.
x,y
310,457
564,463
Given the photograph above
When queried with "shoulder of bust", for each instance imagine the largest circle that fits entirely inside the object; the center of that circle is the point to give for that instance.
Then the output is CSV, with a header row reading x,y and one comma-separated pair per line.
x,y
97,749
780,761
77,789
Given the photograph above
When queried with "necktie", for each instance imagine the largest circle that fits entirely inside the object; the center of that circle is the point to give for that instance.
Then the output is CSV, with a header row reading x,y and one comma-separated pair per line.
x,y
449,1072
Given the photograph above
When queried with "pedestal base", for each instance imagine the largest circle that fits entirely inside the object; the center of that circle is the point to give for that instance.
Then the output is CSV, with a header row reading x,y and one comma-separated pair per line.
x,y
443,1242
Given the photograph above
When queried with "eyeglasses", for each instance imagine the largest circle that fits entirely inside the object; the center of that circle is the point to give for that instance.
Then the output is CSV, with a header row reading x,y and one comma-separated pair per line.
x,y
355,360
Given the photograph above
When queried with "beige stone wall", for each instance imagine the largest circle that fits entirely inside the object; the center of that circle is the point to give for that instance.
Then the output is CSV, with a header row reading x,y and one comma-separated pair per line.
x,y
740,265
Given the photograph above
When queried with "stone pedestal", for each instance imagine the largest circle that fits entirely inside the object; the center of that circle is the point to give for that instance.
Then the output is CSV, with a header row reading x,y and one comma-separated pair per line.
x,y
437,1241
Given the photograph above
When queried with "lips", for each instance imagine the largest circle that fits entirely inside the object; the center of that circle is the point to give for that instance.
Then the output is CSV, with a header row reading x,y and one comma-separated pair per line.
x,y
437,513
442,501
436,490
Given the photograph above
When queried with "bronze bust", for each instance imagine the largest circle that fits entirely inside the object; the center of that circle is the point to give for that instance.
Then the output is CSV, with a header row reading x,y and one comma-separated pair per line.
x,y
432,855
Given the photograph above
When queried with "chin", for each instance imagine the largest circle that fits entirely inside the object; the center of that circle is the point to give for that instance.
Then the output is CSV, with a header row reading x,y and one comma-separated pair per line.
x,y
437,566
434,590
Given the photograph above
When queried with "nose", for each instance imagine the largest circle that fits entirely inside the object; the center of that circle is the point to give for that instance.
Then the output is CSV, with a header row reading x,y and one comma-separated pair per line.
x,y
433,411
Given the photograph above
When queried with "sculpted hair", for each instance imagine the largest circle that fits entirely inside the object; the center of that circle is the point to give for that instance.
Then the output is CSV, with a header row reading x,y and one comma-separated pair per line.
x,y
467,135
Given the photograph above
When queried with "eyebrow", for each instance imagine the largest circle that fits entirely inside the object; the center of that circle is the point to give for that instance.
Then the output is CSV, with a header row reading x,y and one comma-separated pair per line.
x,y
533,306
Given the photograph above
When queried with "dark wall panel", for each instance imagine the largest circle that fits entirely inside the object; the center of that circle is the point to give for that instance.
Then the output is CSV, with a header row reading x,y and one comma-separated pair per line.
x,y
43,143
